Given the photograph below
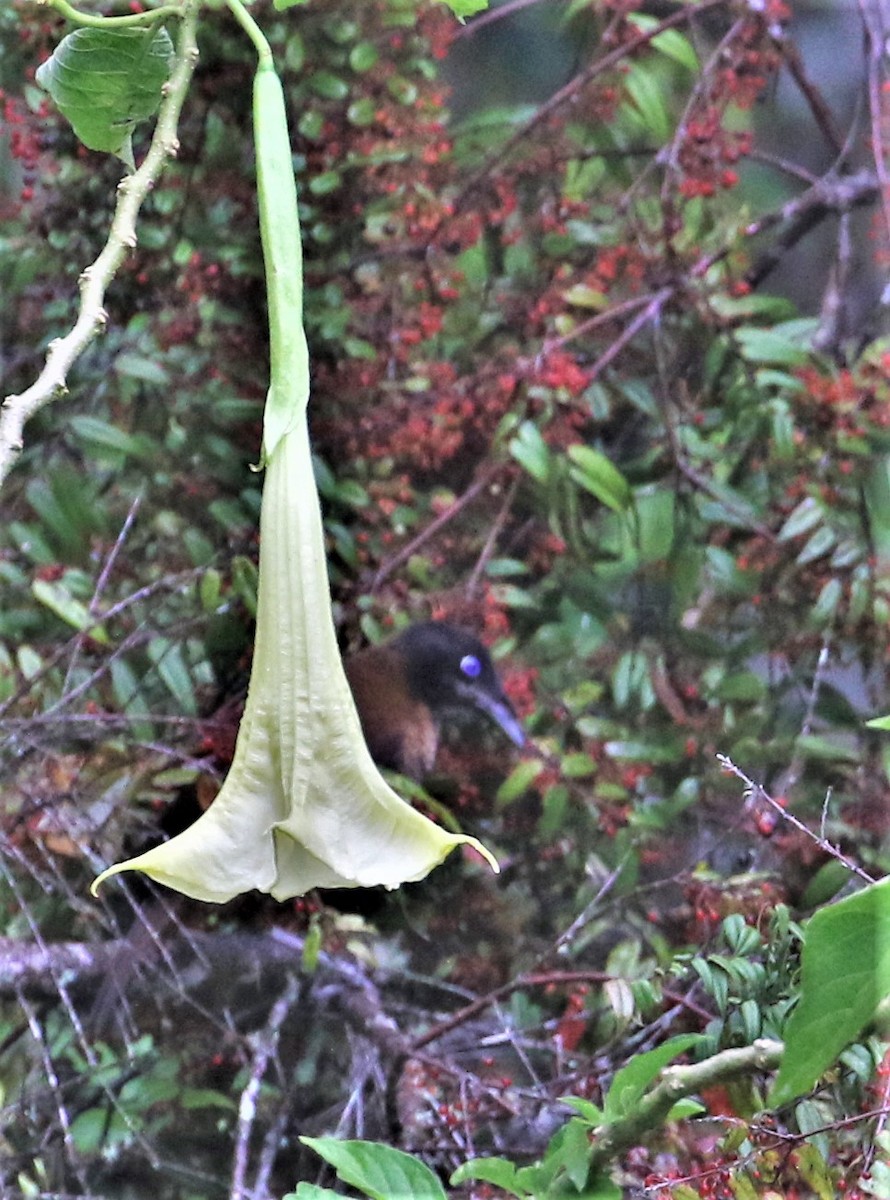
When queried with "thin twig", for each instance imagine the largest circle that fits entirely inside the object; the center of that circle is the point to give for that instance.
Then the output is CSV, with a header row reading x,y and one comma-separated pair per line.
x,y
491,541
567,93
143,593
454,509
265,1046
493,14
876,51
101,583
650,313
822,114
756,791
603,318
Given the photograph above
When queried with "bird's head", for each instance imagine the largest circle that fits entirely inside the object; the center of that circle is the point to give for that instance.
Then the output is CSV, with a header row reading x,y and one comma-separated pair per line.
x,y
448,668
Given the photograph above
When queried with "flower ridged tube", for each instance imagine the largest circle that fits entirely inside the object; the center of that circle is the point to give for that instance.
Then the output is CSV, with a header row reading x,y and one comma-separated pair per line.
x,y
303,805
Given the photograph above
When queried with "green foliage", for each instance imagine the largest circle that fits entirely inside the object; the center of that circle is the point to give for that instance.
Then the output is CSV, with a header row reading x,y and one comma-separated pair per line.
x,y
845,978
106,81
378,1171
565,1168
546,402
751,978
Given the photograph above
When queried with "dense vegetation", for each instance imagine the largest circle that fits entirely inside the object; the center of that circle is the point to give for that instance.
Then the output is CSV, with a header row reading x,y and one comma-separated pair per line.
x,y
554,399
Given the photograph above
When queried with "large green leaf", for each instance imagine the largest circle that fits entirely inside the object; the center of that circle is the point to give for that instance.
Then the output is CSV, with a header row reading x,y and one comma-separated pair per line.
x,y
105,81
845,977
381,1172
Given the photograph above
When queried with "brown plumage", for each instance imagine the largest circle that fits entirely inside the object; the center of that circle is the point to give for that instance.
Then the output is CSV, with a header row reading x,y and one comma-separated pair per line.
x,y
404,687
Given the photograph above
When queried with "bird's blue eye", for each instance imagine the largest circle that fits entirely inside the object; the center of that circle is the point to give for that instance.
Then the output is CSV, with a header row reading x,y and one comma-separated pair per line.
x,y
471,666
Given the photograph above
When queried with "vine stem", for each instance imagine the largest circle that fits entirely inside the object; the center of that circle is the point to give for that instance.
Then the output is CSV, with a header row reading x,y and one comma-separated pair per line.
x,y
253,31
94,21
132,190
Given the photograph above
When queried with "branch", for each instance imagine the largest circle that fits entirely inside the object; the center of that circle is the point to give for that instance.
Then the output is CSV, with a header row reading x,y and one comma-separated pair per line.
x,y
755,791
674,1084
266,1046
569,92
832,195
457,506
132,190
96,21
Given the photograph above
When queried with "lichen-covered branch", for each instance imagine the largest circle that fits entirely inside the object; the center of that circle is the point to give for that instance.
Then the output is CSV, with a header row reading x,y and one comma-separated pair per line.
x,y
675,1083
132,190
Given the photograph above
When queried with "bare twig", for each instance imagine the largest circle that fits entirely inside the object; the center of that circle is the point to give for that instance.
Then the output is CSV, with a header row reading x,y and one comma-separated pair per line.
x,y
876,40
756,791
497,526
493,14
481,1003
650,313
476,488
169,582
822,114
829,196
266,1043
101,583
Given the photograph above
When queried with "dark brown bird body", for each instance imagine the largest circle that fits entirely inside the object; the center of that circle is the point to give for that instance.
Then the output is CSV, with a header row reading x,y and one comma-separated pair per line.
x,y
404,687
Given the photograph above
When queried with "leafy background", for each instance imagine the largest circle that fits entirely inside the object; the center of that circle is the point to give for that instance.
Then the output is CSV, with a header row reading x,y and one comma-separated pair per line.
x,y
560,395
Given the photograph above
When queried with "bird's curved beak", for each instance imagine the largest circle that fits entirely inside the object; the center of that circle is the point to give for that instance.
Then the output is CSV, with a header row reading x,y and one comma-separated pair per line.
x,y
497,707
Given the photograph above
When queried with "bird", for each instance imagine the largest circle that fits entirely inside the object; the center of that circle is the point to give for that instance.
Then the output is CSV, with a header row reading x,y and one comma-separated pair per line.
x,y
403,690
405,687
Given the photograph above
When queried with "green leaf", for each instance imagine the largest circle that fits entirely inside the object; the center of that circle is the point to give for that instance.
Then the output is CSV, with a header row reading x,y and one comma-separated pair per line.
x,y
363,56
329,86
827,749
101,436
630,1083
519,781
325,183
876,492
499,1171
584,296
578,766
573,1154
646,94
105,81
825,884
825,608
138,366
206,1098
669,42
168,660
845,975
381,1172
362,112
594,472
769,346
803,517
817,546
308,1191
57,598
741,685
590,1112
672,44
531,451
687,1107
